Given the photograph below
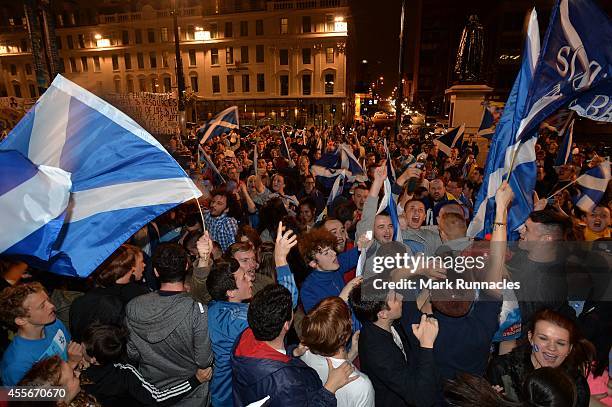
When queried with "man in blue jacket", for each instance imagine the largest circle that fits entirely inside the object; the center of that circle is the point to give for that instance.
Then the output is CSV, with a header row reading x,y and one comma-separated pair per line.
x,y
326,278
228,286
264,370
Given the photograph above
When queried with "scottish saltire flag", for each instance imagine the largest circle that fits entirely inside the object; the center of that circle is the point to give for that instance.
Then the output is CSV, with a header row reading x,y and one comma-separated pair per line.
x,y
336,191
503,148
451,139
33,202
592,185
122,178
487,125
330,165
388,201
576,58
564,155
205,158
224,122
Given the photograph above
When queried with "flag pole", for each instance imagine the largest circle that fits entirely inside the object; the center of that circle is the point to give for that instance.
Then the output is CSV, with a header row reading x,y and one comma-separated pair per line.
x,y
567,186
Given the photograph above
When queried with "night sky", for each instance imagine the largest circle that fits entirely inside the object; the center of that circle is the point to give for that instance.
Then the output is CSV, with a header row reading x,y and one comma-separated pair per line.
x,y
376,26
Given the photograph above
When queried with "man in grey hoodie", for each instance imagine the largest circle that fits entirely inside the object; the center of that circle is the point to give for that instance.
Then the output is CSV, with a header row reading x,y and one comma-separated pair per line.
x,y
169,329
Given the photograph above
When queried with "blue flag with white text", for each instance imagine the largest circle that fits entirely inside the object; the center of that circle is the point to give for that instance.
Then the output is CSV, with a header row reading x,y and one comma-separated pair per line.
x,y
576,58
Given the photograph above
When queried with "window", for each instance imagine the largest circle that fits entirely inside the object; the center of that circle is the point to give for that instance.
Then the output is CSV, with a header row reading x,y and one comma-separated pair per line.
x,y
244,54
284,56
130,85
154,84
164,34
151,35
28,69
17,89
81,40
58,42
306,84
246,84
167,84
329,84
140,58
216,85
127,58
261,82
153,59
306,24
142,84
115,58
24,45
13,69
125,37
117,85
259,53
284,26
244,28
190,34
284,85
138,34
96,64
306,56
259,27
194,83
229,55
214,30
330,23
73,66
228,33
192,57
230,84
329,55
84,64
214,56
165,59
32,90
69,41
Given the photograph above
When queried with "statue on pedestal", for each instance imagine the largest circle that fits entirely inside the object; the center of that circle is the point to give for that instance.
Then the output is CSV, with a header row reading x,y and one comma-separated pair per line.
x,y
470,55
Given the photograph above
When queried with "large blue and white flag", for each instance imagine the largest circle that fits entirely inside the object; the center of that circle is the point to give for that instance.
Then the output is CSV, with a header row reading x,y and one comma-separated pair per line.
x,y
122,178
451,139
592,185
564,155
595,104
224,122
388,202
504,147
576,58
33,202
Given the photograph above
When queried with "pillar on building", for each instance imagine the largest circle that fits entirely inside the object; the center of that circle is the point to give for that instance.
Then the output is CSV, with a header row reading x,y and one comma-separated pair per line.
x,y
466,107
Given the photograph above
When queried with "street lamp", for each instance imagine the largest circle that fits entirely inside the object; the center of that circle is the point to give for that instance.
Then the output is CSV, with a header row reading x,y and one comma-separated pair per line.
x,y
180,78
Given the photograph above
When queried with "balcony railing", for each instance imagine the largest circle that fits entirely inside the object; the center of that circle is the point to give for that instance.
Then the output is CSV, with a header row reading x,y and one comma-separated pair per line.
x,y
305,4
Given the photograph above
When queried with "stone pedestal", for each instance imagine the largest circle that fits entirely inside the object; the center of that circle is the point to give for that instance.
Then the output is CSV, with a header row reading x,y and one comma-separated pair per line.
x,y
466,107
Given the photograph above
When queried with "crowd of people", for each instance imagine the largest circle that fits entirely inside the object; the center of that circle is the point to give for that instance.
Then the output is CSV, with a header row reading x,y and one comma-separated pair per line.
x,y
266,296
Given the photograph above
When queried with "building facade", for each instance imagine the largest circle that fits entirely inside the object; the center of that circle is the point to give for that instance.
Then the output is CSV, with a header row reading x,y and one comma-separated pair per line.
x,y
279,60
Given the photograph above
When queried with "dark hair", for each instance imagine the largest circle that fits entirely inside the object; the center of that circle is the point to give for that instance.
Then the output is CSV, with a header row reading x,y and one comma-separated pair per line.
x,y
106,343
544,387
12,299
171,262
365,310
310,203
233,206
250,233
6,263
117,265
549,386
344,212
553,221
269,310
314,241
221,279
